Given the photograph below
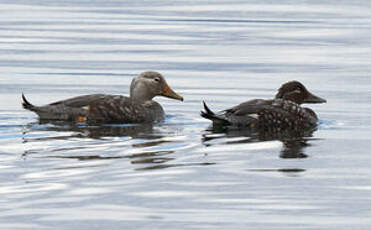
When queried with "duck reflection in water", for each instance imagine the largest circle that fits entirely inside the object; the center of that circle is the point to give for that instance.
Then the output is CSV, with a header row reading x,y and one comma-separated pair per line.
x,y
148,138
149,146
82,130
294,142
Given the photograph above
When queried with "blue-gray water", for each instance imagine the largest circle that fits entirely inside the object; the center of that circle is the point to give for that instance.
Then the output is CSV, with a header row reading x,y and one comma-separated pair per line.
x,y
178,175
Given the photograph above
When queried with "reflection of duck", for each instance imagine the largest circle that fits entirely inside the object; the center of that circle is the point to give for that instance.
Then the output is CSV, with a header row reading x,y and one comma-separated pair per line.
x,y
97,132
294,141
294,148
138,108
149,146
282,112
134,131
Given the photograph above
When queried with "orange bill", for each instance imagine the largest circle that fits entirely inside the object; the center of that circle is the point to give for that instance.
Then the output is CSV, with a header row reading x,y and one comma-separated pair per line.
x,y
168,92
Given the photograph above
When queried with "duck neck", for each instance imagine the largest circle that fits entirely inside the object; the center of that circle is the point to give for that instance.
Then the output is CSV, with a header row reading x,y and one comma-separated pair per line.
x,y
139,92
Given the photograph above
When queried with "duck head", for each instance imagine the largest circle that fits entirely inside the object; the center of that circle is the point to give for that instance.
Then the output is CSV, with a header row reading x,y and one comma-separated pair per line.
x,y
150,84
296,92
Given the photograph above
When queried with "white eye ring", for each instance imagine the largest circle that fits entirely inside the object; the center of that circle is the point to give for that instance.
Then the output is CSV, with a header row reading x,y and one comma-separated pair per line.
x,y
156,79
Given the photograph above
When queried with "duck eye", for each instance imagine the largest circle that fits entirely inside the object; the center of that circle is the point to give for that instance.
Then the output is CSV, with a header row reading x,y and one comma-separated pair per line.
x,y
156,79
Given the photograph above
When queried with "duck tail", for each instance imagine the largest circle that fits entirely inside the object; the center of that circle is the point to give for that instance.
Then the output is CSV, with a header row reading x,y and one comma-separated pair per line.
x,y
26,104
208,114
208,111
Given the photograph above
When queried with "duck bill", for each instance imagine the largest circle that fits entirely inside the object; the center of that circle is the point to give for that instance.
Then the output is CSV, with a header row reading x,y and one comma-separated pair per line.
x,y
168,92
313,99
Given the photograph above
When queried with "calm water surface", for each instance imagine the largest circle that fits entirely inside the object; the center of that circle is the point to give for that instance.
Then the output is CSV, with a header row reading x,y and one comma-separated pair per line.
x,y
179,175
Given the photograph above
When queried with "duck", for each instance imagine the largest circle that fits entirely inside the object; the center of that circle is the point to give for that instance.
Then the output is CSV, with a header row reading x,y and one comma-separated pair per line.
x,y
138,107
283,112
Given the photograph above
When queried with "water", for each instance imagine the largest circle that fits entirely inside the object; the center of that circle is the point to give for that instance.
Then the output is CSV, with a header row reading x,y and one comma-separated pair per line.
x,y
178,175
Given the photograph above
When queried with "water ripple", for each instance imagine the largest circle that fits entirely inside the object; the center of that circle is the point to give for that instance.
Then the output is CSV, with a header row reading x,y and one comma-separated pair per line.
x,y
179,174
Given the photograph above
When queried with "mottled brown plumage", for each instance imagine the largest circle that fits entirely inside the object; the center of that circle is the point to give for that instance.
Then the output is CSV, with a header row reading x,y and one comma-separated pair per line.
x,y
102,108
283,112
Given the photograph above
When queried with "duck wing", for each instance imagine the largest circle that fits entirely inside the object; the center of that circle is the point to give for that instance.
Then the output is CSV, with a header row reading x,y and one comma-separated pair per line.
x,y
80,101
249,107
244,114
68,109
121,109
